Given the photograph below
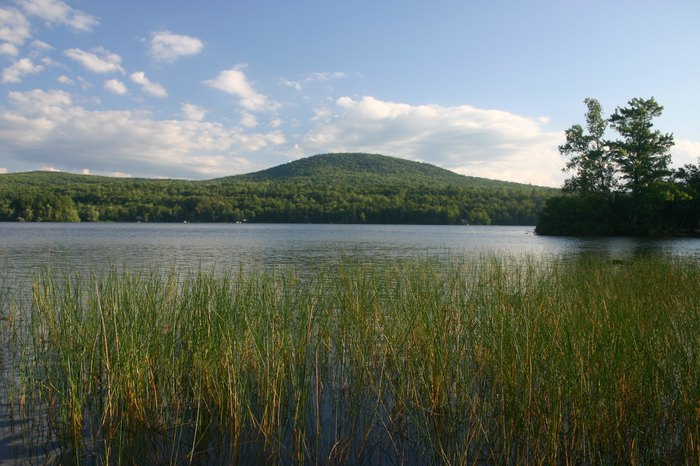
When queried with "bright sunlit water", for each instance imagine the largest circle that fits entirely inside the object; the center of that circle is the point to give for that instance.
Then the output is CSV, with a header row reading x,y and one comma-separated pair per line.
x,y
26,248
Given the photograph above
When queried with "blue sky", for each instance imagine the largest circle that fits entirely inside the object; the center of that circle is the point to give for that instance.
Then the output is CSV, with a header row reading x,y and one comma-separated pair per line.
x,y
204,89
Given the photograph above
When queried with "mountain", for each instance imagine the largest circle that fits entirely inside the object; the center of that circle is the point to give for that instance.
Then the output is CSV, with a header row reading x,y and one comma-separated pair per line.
x,y
364,168
341,188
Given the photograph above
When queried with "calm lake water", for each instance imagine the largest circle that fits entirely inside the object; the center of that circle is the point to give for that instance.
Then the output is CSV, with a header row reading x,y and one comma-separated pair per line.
x,y
25,248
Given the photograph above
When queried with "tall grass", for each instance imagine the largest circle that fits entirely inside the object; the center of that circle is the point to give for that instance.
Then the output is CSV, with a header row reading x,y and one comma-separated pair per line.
x,y
495,361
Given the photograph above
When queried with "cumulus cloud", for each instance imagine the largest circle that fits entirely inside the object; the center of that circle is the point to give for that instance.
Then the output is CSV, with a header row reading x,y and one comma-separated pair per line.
x,y
248,120
168,47
115,86
235,82
47,128
192,112
477,142
685,151
39,102
3,170
99,60
15,28
154,89
63,79
15,72
58,12
9,49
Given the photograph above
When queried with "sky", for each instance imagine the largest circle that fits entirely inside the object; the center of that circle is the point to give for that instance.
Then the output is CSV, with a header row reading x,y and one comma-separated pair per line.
x,y
200,90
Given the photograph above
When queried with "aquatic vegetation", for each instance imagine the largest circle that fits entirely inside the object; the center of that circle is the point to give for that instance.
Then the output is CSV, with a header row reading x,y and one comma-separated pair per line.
x,y
496,361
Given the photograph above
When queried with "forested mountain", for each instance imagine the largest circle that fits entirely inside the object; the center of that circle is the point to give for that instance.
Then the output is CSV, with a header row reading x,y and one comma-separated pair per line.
x,y
365,169
340,188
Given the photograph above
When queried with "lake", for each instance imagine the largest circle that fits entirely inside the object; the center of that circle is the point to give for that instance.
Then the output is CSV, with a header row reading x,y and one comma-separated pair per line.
x,y
26,248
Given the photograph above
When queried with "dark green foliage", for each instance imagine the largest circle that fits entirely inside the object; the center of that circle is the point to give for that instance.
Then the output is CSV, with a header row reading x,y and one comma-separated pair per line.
x,y
687,181
589,155
575,215
339,188
39,207
625,186
642,155
622,214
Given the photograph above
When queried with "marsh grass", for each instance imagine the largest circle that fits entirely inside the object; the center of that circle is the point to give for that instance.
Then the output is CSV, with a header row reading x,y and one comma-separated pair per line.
x,y
490,361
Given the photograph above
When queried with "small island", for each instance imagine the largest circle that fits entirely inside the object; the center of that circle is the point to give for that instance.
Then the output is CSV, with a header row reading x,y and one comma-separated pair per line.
x,y
623,186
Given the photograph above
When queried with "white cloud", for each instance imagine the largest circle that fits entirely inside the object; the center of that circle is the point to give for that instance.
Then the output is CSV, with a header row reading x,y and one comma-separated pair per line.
x,y
685,151
3,170
47,128
14,27
9,49
296,85
168,47
487,143
41,45
149,87
49,62
234,82
100,60
63,79
84,83
248,120
192,112
313,78
15,72
41,103
58,12
115,86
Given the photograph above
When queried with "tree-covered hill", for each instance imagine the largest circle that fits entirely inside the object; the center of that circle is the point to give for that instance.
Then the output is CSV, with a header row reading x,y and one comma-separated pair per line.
x,y
353,168
341,188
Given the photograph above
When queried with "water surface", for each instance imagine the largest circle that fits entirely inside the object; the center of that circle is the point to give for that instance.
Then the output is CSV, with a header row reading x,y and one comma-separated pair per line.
x,y
25,248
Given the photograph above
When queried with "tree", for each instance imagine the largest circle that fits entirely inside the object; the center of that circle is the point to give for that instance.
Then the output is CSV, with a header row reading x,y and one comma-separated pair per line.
x,y
688,177
688,181
642,155
635,167
589,155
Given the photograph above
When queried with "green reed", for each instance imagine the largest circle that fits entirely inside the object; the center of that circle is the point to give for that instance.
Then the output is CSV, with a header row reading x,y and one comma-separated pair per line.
x,y
496,360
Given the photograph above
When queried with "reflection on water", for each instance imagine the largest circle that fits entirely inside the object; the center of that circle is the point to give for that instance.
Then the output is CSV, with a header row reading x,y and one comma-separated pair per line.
x,y
621,248
25,248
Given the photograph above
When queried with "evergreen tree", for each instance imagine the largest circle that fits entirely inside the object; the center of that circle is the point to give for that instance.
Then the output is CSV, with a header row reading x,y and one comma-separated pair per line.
x,y
642,155
589,155
649,201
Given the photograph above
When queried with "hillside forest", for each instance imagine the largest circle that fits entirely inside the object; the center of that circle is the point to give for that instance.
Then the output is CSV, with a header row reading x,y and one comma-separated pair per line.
x,y
327,188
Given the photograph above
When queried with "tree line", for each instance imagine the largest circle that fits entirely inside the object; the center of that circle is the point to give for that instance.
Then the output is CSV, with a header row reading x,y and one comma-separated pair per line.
x,y
64,197
622,186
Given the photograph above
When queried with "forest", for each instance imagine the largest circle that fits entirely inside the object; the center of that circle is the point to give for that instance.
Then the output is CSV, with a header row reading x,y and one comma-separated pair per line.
x,y
623,186
326,188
